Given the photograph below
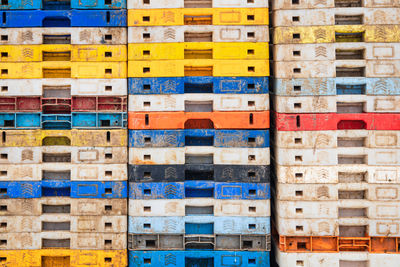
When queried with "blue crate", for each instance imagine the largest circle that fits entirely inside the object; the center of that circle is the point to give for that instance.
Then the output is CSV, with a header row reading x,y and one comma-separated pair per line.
x,y
337,86
199,137
238,225
203,84
63,188
63,18
83,120
198,258
62,5
199,189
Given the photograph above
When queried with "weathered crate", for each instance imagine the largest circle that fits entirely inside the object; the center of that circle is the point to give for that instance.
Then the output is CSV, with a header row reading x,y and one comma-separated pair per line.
x,y
197,84
63,69
204,189
63,171
65,240
198,102
198,33
336,86
74,4
63,205
200,50
197,120
63,87
198,155
51,257
210,172
348,4
63,222
197,4
338,103
74,137
199,206
335,16
64,35
199,241
62,188
199,137
203,257
334,139
201,224
337,33
197,16
195,67
63,18
337,156
338,174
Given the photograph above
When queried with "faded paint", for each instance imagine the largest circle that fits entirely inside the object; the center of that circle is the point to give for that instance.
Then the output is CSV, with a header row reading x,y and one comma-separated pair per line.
x,y
197,4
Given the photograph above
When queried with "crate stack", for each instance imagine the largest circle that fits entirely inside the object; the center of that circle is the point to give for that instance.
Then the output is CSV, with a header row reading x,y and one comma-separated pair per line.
x,y
198,133
337,139
63,152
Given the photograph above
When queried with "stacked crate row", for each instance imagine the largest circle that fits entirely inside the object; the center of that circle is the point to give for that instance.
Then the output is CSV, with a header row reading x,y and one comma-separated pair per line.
x,y
63,154
337,139
198,133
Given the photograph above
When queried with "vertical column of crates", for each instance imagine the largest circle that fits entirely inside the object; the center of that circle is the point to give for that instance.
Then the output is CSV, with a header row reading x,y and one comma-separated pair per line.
x,y
63,163
336,141
198,133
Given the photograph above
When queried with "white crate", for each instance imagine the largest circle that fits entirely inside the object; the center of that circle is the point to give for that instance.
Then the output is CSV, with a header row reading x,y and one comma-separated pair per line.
x,y
338,138
78,224
63,154
83,36
51,239
327,16
155,4
76,172
311,4
337,156
338,174
79,87
327,51
338,103
215,33
328,68
77,206
199,155
199,102
209,206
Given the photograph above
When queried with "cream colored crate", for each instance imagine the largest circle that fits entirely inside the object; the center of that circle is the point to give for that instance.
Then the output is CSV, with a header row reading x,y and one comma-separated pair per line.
x,y
214,207
333,16
199,155
77,224
208,33
78,207
331,69
79,87
337,138
337,156
338,174
32,36
155,4
336,51
337,103
60,239
74,172
199,102
311,4
63,154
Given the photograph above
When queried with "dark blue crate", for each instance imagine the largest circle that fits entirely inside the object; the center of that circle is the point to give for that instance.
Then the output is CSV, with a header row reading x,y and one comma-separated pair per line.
x,y
62,5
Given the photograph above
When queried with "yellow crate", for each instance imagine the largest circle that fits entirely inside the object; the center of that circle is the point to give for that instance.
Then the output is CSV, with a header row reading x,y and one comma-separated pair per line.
x,y
63,52
206,50
198,67
57,69
338,33
75,137
197,16
63,257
